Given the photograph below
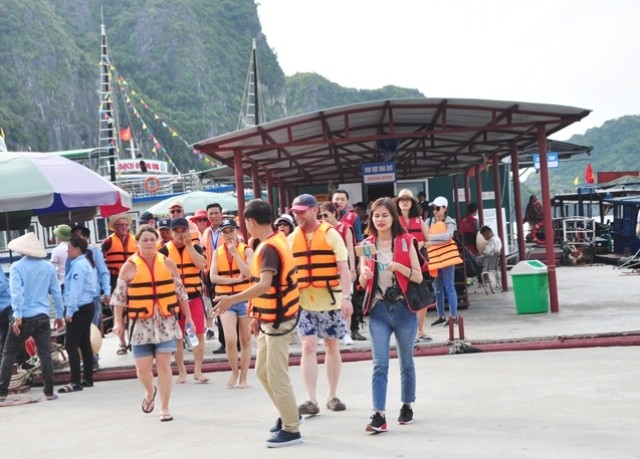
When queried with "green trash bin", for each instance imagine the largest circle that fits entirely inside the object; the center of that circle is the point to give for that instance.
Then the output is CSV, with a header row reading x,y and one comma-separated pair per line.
x,y
531,287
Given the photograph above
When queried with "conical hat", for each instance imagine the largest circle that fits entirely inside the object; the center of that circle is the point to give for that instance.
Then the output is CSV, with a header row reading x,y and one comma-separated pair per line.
x,y
28,245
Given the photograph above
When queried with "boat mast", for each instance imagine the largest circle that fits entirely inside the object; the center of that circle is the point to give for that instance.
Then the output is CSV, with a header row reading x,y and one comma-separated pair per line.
x,y
108,138
250,116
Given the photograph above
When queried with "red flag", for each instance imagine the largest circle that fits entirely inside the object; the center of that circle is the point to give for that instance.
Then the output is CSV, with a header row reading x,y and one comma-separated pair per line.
x,y
125,134
589,177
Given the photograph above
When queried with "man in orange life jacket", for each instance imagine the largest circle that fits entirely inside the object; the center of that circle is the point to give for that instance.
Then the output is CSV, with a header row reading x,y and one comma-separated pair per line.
x,y
324,281
190,261
341,199
117,248
273,308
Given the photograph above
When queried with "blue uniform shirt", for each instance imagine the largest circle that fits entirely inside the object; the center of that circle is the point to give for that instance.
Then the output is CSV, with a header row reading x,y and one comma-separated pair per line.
x,y
80,285
5,296
31,280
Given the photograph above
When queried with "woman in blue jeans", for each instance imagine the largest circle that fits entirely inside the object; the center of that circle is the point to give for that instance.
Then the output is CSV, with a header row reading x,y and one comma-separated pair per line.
x,y
389,262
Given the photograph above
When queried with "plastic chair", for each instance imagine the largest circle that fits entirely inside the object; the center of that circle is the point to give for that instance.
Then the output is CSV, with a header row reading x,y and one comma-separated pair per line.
x,y
490,268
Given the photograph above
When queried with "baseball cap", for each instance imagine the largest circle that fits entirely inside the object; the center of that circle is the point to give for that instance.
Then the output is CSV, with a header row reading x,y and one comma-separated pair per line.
x,y
164,223
440,201
228,223
175,204
180,221
303,202
145,217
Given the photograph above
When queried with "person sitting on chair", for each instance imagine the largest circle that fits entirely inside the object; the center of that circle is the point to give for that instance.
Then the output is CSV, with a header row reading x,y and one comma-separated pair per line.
x,y
494,245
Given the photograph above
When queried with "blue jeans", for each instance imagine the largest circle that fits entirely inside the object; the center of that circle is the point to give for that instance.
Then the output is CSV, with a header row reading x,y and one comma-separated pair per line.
x,y
384,319
40,328
444,283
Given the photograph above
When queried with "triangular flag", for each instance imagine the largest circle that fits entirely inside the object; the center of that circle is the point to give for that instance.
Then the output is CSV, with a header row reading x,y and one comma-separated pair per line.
x,y
589,177
576,181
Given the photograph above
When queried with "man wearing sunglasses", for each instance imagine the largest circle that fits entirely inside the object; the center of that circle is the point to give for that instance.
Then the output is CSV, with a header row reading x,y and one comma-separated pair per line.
x,y
324,282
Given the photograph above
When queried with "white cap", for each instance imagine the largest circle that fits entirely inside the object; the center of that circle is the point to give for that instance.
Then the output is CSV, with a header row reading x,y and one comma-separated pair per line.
x,y
440,201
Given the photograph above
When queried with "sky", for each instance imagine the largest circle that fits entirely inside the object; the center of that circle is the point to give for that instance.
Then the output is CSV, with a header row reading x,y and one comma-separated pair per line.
x,y
580,53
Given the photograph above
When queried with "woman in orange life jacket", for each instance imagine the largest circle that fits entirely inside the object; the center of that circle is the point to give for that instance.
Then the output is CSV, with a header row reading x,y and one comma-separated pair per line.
x,y
230,274
329,213
386,277
285,224
150,289
410,217
443,256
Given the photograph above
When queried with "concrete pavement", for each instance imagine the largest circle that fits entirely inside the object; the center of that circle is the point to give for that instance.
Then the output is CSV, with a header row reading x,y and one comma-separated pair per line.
x,y
555,403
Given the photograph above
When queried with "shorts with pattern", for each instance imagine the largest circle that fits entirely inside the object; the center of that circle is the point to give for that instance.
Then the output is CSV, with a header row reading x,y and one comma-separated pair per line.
x,y
323,324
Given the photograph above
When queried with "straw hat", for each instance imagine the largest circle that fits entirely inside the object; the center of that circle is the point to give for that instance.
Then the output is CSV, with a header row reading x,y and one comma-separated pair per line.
x,y
28,245
114,219
405,194
96,339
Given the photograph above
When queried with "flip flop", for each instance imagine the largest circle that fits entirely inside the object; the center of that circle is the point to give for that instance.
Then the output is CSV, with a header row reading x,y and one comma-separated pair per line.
x,y
166,418
201,380
147,407
122,350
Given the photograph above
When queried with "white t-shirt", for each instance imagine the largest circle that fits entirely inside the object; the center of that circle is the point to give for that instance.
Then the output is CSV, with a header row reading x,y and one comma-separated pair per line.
x,y
59,259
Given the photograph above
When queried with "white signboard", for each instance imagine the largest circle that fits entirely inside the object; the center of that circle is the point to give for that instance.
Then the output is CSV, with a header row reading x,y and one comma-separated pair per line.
x,y
128,166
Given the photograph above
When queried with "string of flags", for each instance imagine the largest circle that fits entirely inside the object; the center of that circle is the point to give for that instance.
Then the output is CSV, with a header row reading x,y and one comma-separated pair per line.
x,y
129,95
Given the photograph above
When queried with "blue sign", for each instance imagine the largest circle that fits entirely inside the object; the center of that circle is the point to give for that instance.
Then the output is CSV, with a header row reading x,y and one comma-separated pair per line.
x,y
552,159
374,173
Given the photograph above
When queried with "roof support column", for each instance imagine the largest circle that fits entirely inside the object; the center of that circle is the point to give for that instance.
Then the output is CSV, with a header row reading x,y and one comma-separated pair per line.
x,y
269,182
467,187
255,180
479,194
498,199
548,224
280,197
237,166
517,197
454,178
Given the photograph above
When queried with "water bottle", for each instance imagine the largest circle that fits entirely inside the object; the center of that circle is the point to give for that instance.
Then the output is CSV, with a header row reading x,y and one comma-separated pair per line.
x,y
191,336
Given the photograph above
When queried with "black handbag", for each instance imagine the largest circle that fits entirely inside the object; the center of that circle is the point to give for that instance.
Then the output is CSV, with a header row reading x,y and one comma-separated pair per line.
x,y
421,295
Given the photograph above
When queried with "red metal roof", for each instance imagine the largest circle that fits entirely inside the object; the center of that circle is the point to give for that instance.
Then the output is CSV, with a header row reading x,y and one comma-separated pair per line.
x,y
434,137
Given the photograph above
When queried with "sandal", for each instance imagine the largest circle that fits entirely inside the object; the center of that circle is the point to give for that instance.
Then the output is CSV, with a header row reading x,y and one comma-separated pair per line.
x,y
122,350
147,407
70,388
166,418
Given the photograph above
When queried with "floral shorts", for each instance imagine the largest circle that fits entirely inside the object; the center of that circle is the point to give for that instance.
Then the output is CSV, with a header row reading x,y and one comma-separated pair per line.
x,y
323,324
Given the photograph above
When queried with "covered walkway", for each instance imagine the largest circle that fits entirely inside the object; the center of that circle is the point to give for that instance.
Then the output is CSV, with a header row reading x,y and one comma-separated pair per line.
x,y
424,138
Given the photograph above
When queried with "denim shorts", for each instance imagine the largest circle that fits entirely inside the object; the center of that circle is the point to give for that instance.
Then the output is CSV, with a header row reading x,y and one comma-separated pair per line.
x,y
323,324
239,309
146,350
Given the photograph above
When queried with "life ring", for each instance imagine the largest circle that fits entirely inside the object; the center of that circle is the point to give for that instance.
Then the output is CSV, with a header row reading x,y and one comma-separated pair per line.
x,y
152,184
539,228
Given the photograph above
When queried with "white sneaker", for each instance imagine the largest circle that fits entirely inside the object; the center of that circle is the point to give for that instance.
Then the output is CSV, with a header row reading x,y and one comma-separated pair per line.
x,y
347,340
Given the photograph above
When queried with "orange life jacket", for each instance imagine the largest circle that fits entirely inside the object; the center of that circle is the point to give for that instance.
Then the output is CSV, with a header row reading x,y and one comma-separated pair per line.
x,y
228,267
442,255
189,272
118,254
316,263
151,285
281,302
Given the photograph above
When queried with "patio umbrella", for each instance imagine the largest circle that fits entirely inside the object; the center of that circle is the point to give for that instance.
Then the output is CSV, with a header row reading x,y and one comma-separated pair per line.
x,y
55,188
195,200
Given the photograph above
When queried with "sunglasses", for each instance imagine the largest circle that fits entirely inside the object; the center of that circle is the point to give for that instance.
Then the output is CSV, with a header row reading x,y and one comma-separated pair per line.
x,y
405,199
283,224
437,208
203,220
175,211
